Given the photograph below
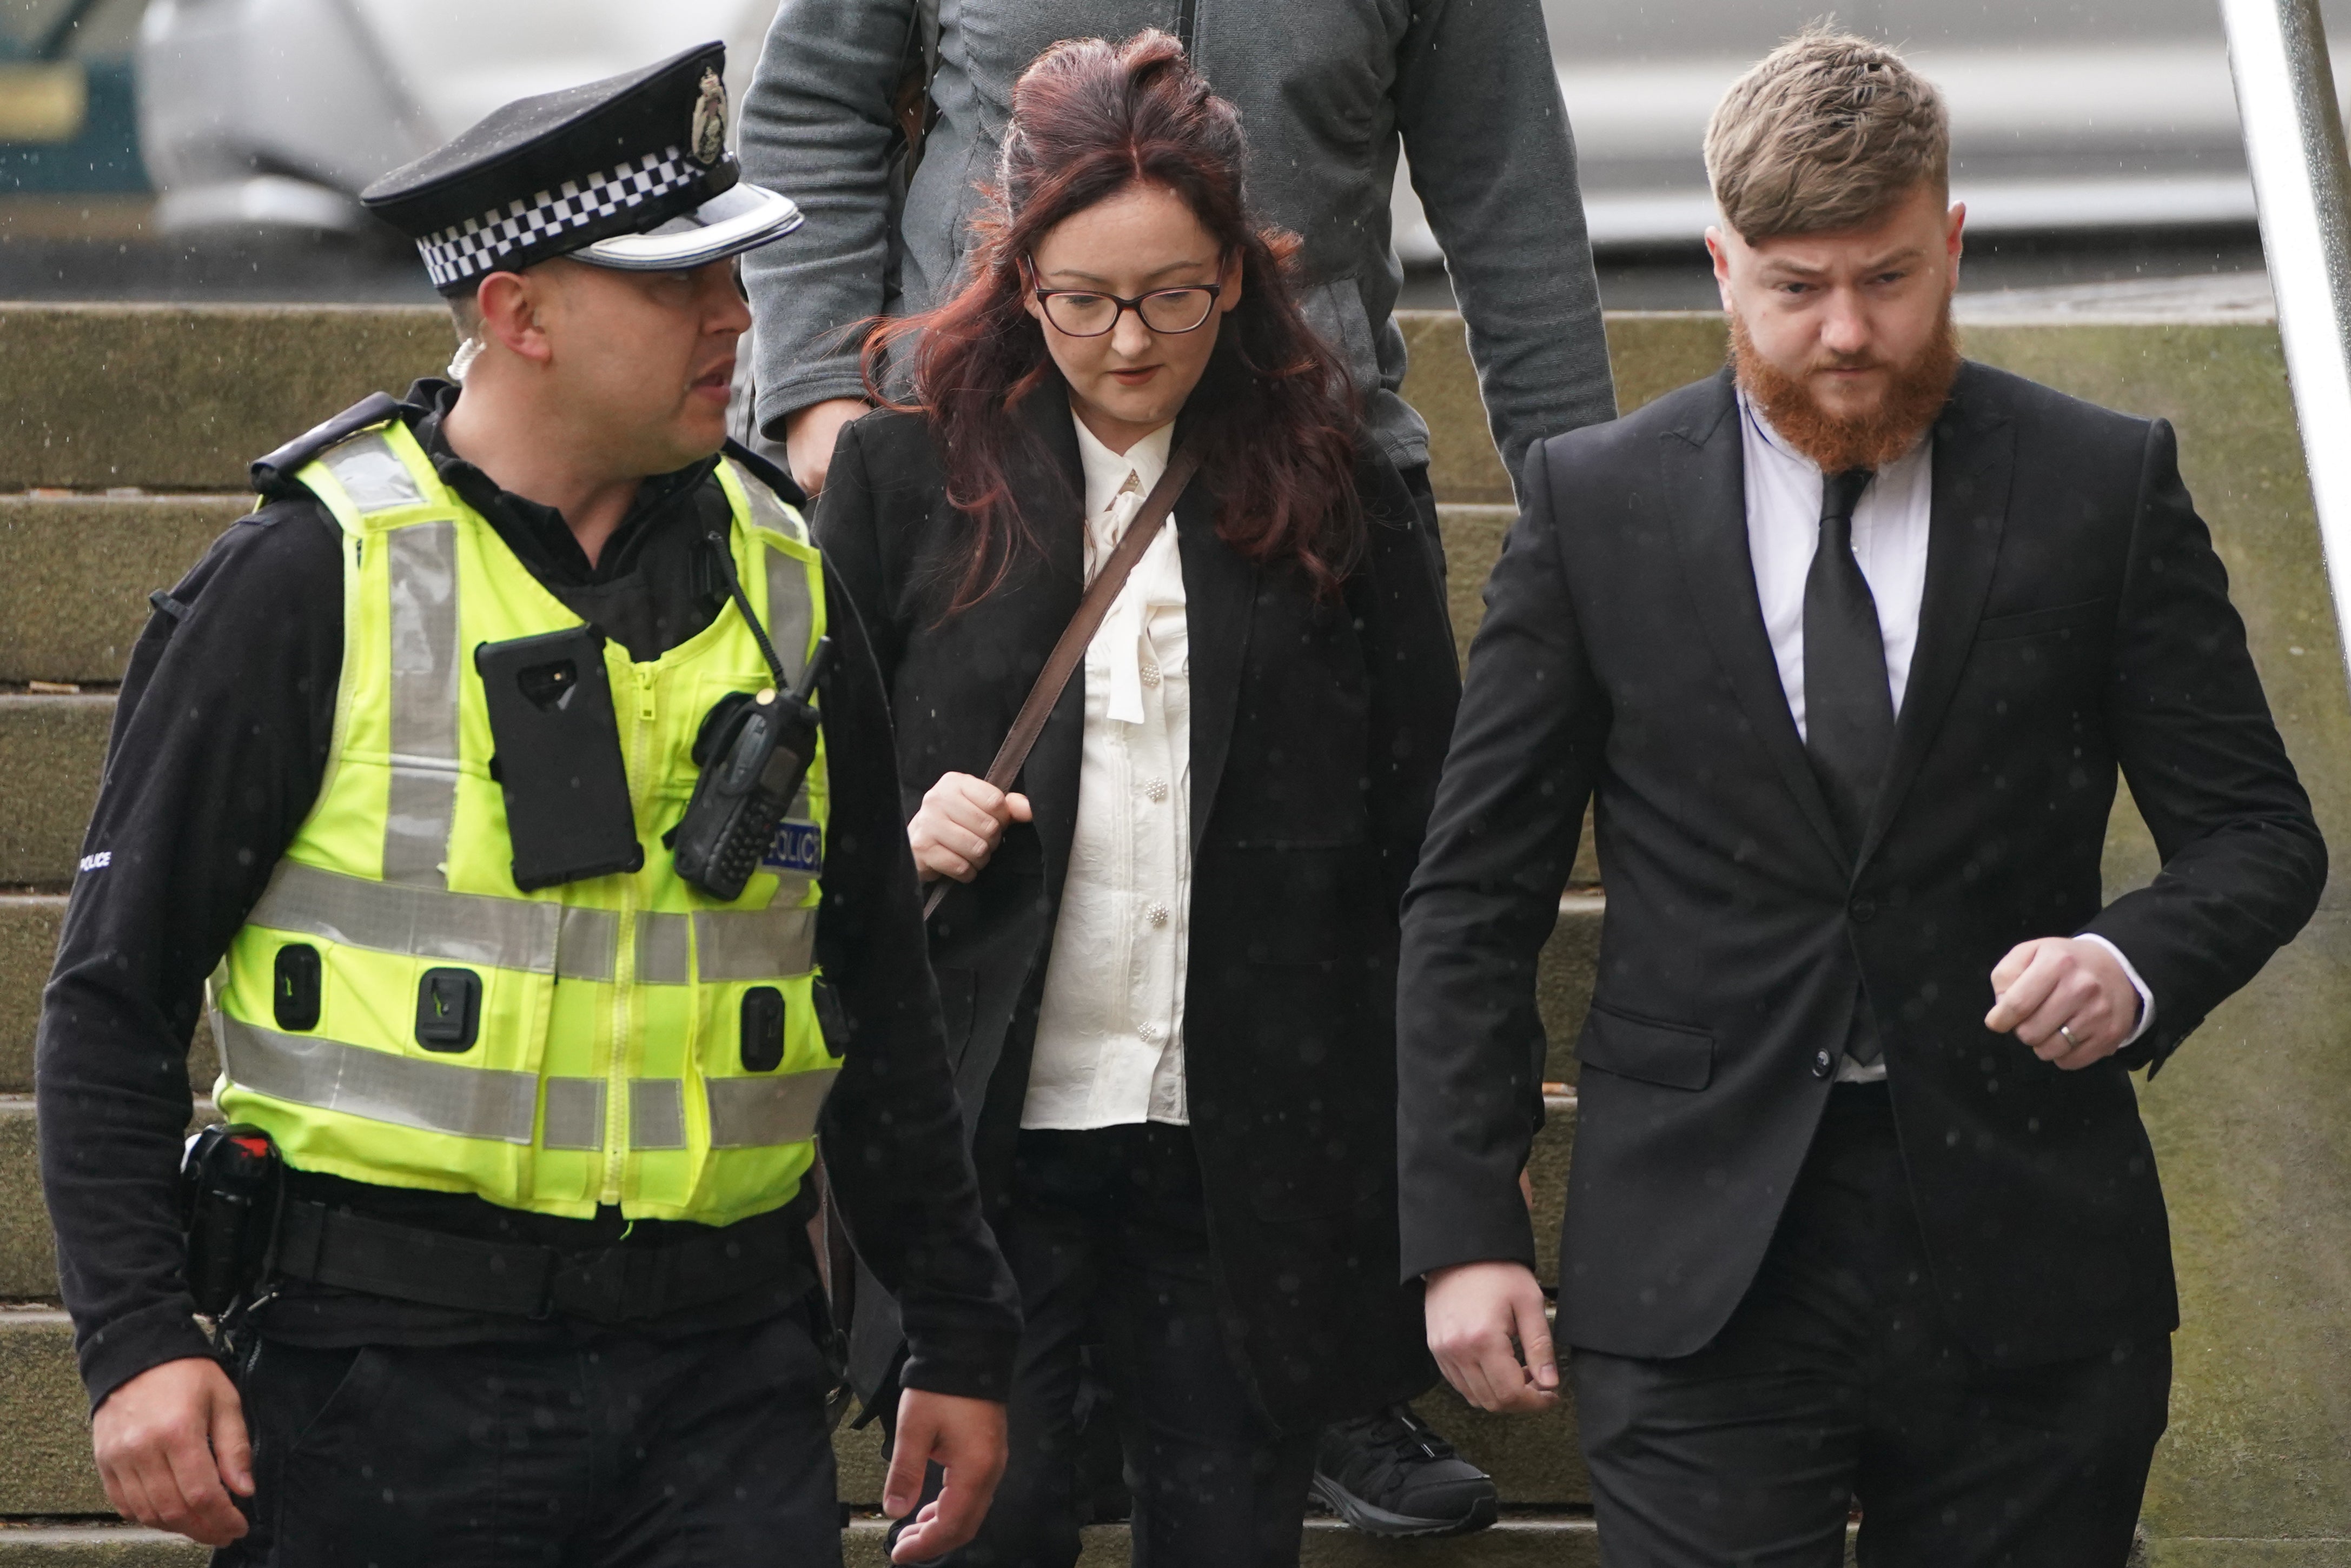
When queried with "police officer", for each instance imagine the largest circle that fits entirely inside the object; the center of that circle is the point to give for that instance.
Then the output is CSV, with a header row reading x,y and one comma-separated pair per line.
x,y
541,1288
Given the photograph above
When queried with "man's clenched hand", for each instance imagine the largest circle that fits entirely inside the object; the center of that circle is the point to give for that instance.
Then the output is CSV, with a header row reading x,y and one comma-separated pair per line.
x,y
2067,998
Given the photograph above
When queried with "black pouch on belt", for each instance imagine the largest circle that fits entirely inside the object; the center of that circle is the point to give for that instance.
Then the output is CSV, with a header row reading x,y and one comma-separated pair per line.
x,y
230,1182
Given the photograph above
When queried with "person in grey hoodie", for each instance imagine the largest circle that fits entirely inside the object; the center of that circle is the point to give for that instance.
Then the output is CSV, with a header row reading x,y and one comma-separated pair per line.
x,y
1330,90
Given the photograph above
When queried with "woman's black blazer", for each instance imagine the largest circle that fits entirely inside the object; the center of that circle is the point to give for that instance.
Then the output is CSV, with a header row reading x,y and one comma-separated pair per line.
x,y
1319,727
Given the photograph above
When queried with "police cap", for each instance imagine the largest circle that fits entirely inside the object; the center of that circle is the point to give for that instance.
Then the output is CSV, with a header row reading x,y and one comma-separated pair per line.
x,y
631,172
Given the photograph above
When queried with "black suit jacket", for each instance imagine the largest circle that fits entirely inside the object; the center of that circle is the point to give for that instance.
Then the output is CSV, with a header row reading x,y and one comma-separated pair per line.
x,y
1318,730
2076,620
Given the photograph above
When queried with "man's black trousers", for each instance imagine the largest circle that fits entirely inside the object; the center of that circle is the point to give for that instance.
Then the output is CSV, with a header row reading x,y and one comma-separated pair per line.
x,y
1108,1236
618,1450
1836,1385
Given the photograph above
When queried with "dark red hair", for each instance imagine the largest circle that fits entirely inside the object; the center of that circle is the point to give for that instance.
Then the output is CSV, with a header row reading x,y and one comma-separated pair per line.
x,y
1274,411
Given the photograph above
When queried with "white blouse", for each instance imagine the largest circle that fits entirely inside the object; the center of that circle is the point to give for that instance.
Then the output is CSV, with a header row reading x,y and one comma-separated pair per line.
x,y
1110,1033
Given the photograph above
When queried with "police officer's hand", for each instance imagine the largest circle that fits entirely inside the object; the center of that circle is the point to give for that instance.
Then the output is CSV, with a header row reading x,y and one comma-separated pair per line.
x,y
965,1437
960,824
170,1447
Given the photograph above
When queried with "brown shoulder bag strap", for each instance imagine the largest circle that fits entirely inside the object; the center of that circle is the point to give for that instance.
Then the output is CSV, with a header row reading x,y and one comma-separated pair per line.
x,y
1075,637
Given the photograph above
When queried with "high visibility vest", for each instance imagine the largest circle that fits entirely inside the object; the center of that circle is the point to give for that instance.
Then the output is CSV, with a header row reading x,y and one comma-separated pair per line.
x,y
638,1042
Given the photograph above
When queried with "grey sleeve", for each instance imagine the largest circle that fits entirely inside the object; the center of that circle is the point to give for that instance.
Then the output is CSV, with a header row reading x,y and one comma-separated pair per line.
x,y
1478,106
817,126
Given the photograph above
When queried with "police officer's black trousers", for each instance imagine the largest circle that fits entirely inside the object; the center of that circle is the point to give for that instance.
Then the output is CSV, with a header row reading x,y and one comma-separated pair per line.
x,y
620,1448
1108,1237
1836,1382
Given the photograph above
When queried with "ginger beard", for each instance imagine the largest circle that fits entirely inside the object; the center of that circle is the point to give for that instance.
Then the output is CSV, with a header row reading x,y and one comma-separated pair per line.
x,y
1914,396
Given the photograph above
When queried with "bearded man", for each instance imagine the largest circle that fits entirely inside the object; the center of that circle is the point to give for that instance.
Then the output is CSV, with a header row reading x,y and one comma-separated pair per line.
x,y
1847,645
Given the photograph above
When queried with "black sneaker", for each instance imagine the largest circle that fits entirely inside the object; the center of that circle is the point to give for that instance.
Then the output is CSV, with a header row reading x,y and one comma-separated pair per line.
x,y
1391,1474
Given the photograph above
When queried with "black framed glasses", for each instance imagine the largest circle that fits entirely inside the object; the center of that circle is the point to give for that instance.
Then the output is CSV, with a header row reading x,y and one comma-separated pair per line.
x,y
1090,313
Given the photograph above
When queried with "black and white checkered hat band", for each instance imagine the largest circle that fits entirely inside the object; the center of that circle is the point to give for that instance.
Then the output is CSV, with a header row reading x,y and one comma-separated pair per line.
x,y
479,245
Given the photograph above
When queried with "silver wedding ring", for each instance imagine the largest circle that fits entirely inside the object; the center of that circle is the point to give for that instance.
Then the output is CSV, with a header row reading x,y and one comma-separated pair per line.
x,y
2068,1033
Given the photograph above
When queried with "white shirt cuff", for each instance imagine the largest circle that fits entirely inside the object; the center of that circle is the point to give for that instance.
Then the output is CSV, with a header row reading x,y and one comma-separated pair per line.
x,y
2146,997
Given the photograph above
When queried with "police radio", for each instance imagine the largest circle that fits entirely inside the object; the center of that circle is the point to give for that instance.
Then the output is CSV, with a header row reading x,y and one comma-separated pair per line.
x,y
754,753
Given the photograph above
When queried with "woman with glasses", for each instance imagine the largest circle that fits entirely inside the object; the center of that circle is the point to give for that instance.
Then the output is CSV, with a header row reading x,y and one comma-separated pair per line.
x,y
1167,954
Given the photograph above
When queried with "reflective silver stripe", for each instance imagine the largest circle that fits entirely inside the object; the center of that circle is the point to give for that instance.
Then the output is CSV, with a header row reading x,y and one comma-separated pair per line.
x,y
748,1113
733,944
767,508
423,797
466,928
372,474
789,614
755,944
656,1113
437,1097
588,946
426,922
662,956
575,1114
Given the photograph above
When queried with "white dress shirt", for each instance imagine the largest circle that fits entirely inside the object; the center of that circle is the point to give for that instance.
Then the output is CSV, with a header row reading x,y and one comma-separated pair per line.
x,y
1889,542
1109,1031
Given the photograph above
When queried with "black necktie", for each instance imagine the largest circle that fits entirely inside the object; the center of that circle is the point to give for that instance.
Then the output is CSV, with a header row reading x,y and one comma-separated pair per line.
x,y
1848,703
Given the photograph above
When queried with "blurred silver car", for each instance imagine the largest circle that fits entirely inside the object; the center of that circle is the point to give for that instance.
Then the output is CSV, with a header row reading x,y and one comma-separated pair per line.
x,y
273,114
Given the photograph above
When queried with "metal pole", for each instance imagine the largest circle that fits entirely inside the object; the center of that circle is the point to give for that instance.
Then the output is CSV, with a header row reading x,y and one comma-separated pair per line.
x,y
2301,183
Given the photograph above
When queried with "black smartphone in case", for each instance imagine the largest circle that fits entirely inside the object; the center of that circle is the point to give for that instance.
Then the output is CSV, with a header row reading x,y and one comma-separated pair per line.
x,y
558,757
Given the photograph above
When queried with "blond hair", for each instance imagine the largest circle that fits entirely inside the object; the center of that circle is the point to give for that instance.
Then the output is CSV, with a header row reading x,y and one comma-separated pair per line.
x,y
1828,131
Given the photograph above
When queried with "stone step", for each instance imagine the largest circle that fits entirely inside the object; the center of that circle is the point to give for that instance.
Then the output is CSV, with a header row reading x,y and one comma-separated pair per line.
x,y
78,569
81,568
28,1253
179,396
29,923
1651,353
52,750
1532,1458
1556,1539
94,1545
1548,1540
1473,543
44,1419
29,1265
